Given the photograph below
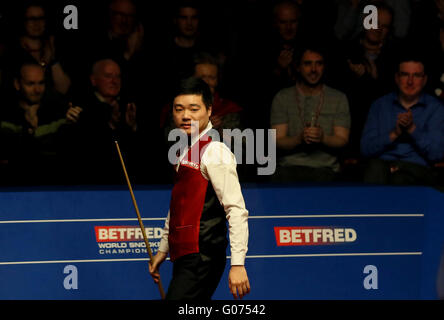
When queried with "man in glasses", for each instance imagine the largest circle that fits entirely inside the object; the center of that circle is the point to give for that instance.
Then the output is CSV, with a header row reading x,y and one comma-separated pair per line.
x,y
404,132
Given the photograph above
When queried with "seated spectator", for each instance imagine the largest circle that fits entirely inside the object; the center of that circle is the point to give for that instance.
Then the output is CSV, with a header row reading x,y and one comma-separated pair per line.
x,y
404,133
31,128
351,12
36,44
123,40
365,73
225,113
105,117
312,123
186,41
286,16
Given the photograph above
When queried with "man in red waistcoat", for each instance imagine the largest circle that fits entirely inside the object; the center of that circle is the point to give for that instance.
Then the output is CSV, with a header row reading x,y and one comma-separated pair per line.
x,y
205,195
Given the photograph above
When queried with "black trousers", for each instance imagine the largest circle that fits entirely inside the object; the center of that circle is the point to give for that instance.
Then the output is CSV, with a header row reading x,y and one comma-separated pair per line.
x,y
196,276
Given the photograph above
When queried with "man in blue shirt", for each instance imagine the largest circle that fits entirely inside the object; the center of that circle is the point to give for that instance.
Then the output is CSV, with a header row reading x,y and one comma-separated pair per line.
x,y
404,132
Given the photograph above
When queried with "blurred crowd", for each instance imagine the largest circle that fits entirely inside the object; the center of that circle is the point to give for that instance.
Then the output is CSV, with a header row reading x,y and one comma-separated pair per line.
x,y
307,68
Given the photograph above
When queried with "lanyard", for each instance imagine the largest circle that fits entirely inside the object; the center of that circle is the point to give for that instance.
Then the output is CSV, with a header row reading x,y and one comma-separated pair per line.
x,y
315,115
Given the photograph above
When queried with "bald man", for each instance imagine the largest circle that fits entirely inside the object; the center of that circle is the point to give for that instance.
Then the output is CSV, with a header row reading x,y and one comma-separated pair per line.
x,y
31,128
106,79
106,116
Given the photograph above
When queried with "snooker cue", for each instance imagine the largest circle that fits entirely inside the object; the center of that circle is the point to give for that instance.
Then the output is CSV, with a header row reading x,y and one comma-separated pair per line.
x,y
162,293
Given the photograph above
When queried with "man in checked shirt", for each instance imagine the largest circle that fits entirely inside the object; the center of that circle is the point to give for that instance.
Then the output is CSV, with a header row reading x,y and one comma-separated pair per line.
x,y
206,193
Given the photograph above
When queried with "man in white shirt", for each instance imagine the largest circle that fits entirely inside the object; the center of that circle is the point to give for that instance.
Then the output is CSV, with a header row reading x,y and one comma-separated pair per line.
x,y
206,193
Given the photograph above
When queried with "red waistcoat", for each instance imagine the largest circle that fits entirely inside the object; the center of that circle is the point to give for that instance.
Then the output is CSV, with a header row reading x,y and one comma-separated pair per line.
x,y
187,203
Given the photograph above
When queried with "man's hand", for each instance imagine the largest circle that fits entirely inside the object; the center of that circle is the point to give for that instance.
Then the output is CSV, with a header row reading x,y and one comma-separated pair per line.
x,y
285,58
238,281
155,265
357,68
49,51
73,113
134,42
313,135
406,121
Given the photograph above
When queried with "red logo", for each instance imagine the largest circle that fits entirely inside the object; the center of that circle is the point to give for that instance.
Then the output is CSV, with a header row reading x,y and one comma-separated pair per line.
x,y
125,233
310,236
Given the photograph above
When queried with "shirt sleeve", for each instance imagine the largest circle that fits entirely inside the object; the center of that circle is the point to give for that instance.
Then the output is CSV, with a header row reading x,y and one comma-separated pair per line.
x,y
278,113
218,165
163,245
342,116
430,138
375,139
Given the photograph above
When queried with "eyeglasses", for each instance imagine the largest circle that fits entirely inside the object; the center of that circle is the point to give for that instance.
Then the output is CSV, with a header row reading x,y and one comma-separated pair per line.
x,y
123,15
416,75
35,19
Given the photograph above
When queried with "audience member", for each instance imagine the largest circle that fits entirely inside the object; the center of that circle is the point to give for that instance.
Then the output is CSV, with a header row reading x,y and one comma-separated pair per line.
x,y
350,15
312,123
122,40
286,17
185,43
366,72
105,117
31,128
36,44
404,132
225,114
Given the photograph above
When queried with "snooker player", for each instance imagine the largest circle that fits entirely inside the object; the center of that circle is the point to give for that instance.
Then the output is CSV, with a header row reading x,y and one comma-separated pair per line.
x,y
205,195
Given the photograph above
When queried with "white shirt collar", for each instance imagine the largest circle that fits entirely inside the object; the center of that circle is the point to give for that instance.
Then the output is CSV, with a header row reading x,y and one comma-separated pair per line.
x,y
193,141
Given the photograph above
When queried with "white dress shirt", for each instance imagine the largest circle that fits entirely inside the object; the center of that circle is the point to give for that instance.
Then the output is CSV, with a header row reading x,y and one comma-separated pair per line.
x,y
218,165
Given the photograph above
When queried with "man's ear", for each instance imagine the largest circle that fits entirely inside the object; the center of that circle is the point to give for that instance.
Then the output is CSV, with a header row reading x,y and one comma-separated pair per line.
x,y
209,110
17,84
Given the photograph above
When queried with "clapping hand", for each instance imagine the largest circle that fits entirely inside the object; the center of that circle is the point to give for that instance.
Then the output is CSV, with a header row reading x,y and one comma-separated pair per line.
x,y
313,135
73,113
405,121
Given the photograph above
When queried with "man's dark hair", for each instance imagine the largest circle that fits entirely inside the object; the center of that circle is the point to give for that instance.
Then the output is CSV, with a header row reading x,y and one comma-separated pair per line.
x,y
197,86
412,55
195,4
310,46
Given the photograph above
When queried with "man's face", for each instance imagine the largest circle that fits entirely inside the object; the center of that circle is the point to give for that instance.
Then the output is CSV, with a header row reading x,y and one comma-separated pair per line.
x,y
187,108
35,22
208,73
287,22
384,24
123,18
411,79
31,84
311,68
187,22
107,80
